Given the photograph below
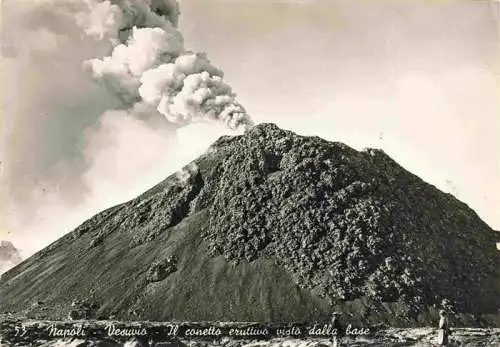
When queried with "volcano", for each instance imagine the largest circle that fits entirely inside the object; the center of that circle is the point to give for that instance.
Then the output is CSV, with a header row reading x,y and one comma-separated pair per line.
x,y
270,226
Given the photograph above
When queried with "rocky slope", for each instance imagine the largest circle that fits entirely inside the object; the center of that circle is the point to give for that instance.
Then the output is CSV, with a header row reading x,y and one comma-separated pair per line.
x,y
272,226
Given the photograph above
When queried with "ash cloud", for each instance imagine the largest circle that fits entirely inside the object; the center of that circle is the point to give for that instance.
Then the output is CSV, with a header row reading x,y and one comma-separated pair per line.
x,y
91,119
153,66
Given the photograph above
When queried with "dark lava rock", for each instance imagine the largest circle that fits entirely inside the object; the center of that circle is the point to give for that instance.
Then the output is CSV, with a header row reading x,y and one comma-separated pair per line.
x,y
158,271
272,225
83,309
75,315
345,223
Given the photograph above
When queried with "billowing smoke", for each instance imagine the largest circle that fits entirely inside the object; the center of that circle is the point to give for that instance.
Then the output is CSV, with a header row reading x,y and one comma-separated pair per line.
x,y
149,64
99,93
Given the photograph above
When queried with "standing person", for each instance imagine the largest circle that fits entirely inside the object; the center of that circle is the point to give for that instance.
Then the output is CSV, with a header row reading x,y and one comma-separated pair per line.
x,y
338,332
444,328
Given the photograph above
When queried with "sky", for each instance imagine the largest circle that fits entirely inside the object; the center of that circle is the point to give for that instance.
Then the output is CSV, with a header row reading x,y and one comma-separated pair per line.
x,y
418,79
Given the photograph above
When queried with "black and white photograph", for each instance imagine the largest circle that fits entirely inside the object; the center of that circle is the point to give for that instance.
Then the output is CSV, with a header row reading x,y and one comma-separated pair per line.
x,y
258,173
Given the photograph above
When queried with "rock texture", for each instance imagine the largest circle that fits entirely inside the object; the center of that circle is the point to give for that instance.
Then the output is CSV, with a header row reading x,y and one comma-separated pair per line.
x,y
347,223
272,213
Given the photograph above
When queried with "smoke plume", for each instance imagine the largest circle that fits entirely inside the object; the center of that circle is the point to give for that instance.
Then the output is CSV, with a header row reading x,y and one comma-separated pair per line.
x,y
152,66
99,95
